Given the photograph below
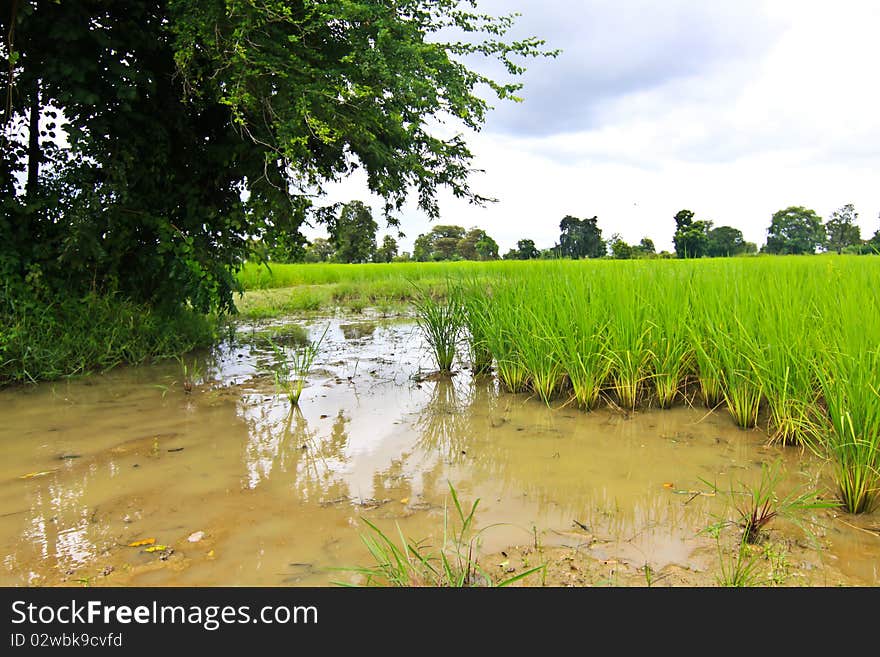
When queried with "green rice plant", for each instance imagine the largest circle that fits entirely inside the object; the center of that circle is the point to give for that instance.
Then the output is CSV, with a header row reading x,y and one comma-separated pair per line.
x,y
583,352
413,563
788,332
671,358
670,353
475,315
190,374
504,324
737,354
850,385
512,372
544,368
742,395
707,311
708,376
579,340
757,504
741,569
791,401
441,323
402,274
627,348
291,373
537,347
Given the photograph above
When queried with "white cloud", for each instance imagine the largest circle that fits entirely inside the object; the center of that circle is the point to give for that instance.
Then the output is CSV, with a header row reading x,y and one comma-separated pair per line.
x,y
781,110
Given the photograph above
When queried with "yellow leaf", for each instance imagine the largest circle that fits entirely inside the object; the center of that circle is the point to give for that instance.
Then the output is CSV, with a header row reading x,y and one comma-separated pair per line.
x,y
146,541
211,554
31,475
156,548
668,485
405,500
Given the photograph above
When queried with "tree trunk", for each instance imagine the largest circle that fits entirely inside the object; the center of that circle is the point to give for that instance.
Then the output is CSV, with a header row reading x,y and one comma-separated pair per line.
x,y
33,167
10,48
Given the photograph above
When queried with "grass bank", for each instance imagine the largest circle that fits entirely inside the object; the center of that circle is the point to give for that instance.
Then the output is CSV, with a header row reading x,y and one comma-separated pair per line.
x,y
44,341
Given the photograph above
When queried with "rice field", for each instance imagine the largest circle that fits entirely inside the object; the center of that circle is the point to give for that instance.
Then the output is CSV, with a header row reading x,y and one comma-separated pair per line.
x,y
790,345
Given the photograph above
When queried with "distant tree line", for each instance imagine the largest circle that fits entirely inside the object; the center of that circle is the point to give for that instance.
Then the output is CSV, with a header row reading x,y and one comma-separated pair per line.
x,y
792,230
352,238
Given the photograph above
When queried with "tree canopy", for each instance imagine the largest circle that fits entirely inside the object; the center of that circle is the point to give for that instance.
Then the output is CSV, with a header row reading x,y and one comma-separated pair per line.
x,y
580,238
727,241
450,242
387,251
193,129
353,233
841,229
795,229
691,238
319,250
525,250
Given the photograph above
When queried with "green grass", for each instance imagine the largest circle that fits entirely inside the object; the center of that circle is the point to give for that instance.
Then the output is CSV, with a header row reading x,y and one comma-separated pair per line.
x,y
783,343
756,504
454,563
262,304
789,344
291,369
741,569
442,323
397,275
69,337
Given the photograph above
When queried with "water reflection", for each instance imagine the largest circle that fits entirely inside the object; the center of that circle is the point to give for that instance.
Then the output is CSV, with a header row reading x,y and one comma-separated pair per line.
x,y
321,461
358,331
366,440
442,423
60,527
613,473
281,443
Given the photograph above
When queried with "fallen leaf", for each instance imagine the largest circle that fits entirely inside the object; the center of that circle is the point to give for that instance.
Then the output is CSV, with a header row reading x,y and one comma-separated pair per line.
x,y
668,485
404,500
211,554
31,475
156,548
141,543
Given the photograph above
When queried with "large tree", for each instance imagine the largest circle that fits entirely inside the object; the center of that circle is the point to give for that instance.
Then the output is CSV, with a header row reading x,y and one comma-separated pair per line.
x,y
645,247
795,229
387,251
195,128
525,250
580,238
726,241
319,250
440,243
477,245
691,238
873,244
353,233
620,250
841,229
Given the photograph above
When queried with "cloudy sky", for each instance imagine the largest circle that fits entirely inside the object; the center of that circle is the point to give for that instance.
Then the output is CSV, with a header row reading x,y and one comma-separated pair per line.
x,y
733,110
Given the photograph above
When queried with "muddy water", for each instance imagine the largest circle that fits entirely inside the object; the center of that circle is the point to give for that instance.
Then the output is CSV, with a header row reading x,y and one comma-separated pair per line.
x,y
242,490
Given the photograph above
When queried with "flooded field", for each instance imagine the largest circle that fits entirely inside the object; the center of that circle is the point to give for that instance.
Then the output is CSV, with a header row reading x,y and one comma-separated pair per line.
x,y
127,479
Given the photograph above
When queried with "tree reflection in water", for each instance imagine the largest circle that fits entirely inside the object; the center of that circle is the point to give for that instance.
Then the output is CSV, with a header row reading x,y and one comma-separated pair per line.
x,y
281,442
